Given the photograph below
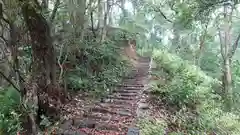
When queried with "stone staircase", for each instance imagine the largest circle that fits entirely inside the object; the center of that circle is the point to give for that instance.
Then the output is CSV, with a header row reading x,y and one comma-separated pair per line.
x,y
117,114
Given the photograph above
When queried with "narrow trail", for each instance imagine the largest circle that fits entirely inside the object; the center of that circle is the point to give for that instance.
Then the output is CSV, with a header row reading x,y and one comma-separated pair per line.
x,y
117,114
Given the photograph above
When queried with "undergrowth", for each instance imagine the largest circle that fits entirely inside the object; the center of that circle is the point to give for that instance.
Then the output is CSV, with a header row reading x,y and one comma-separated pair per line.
x,y
96,69
152,127
99,69
193,94
10,112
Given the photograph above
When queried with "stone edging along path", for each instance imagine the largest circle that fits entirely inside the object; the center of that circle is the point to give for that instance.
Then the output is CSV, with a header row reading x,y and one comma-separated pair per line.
x,y
117,114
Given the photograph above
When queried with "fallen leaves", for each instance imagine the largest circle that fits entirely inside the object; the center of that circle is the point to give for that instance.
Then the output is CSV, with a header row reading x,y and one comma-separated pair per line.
x,y
112,118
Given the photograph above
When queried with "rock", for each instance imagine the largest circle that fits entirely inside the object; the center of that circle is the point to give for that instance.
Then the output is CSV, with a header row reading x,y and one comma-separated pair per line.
x,y
142,113
66,124
143,106
124,113
133,131
73,132
84,123
107,126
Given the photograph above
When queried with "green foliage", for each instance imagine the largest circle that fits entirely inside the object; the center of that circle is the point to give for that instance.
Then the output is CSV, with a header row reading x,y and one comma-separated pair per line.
x,y
194,95
186,80
236,85
210,63
100,68
150,127
10,111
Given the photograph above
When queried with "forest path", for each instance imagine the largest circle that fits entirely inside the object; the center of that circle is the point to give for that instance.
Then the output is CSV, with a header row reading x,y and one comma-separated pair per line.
x,y
116,114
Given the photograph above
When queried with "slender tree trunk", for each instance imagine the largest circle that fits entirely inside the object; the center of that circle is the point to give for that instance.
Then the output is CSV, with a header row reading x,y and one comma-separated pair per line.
x,y
80,18
124,13
54,12
45,4
227,77
201,49
201,45
104,29
110,17
100,14
14,54
175,47
13,46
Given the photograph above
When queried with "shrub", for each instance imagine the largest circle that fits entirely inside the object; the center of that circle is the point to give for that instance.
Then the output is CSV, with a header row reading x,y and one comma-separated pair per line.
x,y
188,85
102,67
152,127
10,111
194,93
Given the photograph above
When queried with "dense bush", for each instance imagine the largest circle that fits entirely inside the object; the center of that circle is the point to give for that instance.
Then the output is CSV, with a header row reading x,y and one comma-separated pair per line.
x,y
152,127
194,94
188,85
10,112
210,64
101,69
236,85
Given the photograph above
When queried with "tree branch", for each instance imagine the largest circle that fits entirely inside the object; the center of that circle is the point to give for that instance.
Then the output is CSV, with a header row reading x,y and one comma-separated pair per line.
x,y
160,11
56,5
93,31
44,4
8,80
235,45
221,42
3,39
37,4
1,14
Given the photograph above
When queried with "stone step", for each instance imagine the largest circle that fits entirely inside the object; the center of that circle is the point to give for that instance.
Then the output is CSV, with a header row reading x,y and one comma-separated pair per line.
x,y
137,85
143,68
119,101
70,132
132,83
84,123
134,79
138,81
121,97
126,91
98,125
110,105
131,88
111,111
112,127
103,117
123,102
128,94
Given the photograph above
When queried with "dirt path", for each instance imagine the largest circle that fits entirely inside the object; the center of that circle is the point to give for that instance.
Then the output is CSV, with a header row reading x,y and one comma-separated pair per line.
x,y
115,115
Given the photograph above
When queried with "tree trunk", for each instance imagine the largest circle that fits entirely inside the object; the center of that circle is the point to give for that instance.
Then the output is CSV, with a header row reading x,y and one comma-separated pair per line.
x,y
14,54
124,13
100,14
227,81
227,77
175,47
41,85
81,17
104,30
201,45
43,50
45,3
201,49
